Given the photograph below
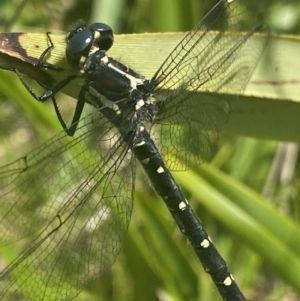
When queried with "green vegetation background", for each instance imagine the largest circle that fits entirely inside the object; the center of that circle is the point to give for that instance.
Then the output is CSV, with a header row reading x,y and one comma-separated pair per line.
x,y
257,233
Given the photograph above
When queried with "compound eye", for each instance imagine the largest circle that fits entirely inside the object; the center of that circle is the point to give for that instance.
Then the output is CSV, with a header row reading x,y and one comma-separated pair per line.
x,y
79,43
103,35
71,33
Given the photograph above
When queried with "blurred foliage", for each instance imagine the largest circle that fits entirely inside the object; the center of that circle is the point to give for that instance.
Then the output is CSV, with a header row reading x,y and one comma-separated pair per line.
x,y
156,262
127,16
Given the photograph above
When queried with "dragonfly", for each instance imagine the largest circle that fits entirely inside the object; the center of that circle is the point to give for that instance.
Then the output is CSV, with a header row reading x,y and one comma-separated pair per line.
x,y
67,204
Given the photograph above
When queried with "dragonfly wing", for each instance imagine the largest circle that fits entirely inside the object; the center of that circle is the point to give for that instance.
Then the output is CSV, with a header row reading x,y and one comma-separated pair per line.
x,y
66,206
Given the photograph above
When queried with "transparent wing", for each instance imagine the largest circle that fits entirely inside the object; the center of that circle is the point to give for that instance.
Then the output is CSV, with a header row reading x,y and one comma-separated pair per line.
x,y
187,138
66,206
185,55
204,61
